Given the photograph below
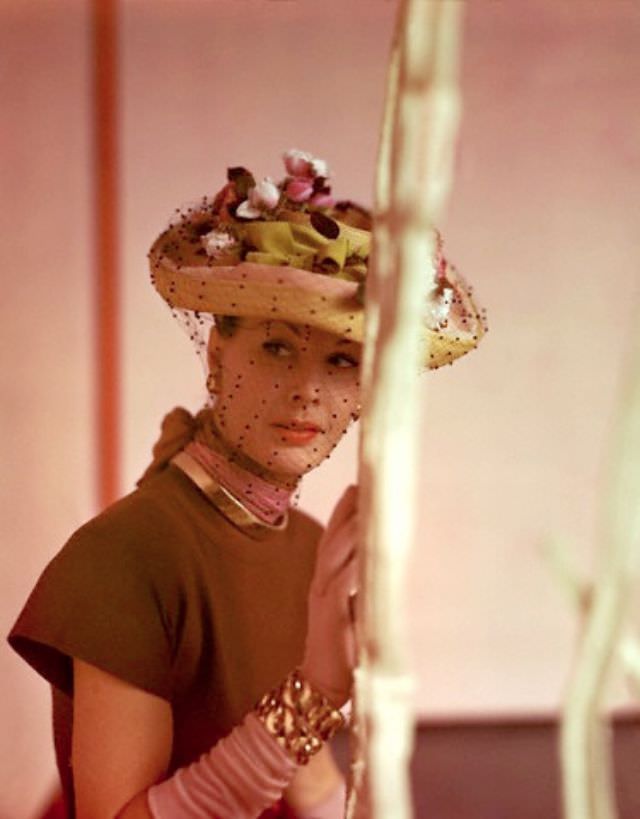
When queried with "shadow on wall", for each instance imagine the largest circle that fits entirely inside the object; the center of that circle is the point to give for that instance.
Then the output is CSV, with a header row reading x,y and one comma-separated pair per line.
x,y
504,769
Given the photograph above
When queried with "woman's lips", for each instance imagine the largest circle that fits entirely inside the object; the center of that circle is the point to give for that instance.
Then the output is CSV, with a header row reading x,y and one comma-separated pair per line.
x,y
297,433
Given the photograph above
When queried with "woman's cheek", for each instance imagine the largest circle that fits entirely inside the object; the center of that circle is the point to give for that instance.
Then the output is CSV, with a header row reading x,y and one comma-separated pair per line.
x,y
340,425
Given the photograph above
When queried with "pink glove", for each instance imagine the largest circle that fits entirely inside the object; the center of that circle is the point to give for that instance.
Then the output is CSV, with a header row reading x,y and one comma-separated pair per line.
x,y
241,776
332,807
330,649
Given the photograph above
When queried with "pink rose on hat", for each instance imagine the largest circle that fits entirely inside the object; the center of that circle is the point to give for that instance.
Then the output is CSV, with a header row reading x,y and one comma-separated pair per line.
x,y
299,189
322,199
303,164
308,179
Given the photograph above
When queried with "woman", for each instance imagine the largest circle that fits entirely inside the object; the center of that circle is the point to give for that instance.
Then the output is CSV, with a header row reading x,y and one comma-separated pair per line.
x,y
197,633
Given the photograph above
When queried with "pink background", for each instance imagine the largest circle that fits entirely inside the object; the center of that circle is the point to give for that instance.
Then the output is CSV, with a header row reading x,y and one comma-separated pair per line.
x,y
544,220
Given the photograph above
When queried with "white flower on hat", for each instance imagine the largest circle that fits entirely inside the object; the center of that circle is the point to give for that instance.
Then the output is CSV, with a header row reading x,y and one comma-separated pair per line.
x,y
263,197
218,243
439,307
319,167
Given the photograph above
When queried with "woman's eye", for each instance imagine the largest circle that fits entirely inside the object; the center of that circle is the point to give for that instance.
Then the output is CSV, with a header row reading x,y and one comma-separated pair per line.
x,y
343,360
277,348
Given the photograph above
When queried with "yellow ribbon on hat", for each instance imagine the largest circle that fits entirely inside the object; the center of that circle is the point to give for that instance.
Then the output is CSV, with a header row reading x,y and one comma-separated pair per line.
x,y
302,246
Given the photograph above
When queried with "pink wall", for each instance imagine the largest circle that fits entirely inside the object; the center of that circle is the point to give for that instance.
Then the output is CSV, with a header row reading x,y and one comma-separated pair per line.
x,y
46,351
544,221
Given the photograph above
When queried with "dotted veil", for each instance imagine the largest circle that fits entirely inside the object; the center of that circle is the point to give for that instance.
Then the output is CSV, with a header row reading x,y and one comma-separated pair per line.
x,y
279,270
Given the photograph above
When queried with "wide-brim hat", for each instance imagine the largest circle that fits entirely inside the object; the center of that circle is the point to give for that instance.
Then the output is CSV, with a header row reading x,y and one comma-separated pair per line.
x,y
296,263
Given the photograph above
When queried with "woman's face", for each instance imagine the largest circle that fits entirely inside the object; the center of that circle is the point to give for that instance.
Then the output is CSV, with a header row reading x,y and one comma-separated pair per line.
x,y
286,394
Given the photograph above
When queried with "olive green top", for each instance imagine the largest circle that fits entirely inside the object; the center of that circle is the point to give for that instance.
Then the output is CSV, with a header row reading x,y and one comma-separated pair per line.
x,y
162,591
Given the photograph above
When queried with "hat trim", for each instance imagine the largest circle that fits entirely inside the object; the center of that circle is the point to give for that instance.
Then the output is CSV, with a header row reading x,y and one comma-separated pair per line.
x,y
289,294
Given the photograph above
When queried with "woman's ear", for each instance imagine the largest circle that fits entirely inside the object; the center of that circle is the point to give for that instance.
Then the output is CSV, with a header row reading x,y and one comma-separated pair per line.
x,y
214,361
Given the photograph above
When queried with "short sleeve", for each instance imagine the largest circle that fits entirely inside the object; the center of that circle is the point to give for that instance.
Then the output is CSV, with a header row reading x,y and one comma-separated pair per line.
x,y
107,599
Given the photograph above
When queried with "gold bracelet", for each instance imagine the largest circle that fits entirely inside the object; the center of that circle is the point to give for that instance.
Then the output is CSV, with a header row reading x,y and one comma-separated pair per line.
x,y
300,718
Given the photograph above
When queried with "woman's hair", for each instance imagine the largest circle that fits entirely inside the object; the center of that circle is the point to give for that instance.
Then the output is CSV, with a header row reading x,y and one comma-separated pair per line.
x,y
227,325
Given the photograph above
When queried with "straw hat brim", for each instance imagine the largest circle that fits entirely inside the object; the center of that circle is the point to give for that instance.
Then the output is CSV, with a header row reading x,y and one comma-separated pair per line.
x,y
289,294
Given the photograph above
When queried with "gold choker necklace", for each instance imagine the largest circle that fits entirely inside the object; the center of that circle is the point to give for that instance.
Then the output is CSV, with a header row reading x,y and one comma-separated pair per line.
x,y
223,500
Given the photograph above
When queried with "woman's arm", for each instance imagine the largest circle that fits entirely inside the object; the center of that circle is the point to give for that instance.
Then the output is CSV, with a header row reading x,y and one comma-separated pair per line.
x,y
121,745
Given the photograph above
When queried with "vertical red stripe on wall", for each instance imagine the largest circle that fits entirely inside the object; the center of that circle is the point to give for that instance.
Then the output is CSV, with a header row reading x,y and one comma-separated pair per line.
x,y
106,240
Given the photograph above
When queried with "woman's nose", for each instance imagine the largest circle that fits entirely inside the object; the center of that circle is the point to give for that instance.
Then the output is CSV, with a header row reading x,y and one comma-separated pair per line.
x,y
306,391
305,382
304,396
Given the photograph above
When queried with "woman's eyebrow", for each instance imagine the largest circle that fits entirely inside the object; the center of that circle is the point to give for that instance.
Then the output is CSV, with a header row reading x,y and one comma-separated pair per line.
x,y
294,328
272,322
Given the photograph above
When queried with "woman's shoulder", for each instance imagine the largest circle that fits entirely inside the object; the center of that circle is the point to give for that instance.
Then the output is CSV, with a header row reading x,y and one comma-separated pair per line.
x,y
112,595
156,513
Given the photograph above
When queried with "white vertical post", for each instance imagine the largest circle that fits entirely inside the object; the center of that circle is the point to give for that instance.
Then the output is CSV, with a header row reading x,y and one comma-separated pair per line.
x,y
414,176
585,741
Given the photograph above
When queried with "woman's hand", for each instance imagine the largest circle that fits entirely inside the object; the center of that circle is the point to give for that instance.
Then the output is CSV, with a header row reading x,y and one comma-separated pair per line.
x,y
330,650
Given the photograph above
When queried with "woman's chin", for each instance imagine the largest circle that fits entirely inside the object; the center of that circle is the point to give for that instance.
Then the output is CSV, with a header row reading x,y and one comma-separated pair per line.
x,y
291,463
286,457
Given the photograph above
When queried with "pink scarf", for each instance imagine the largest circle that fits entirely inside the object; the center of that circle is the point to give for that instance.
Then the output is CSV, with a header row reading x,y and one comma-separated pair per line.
x,y
268,502
265,499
